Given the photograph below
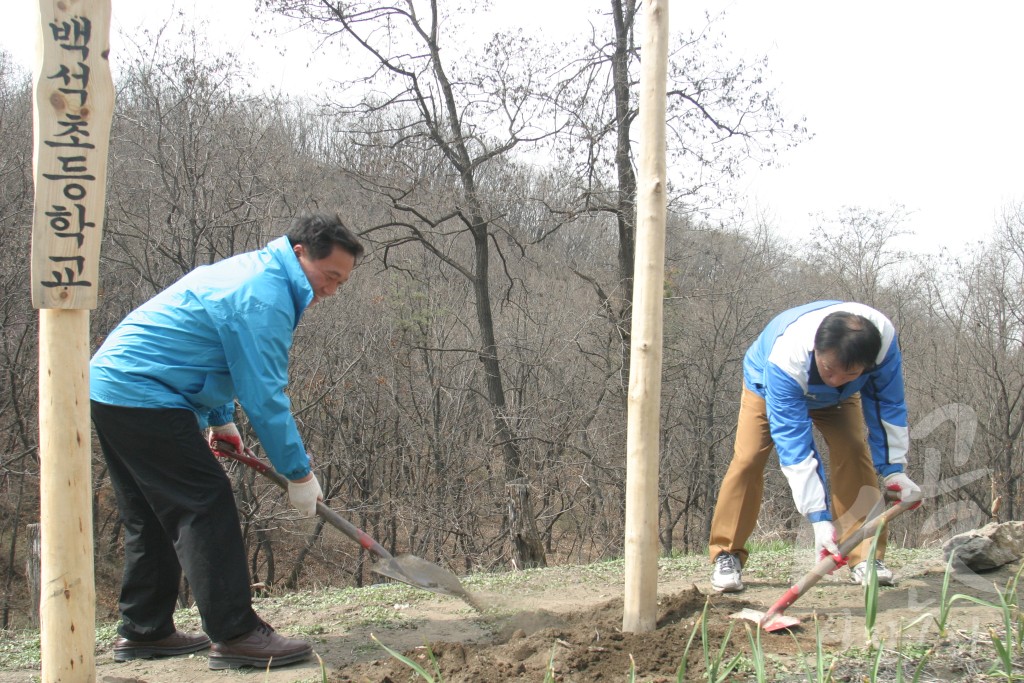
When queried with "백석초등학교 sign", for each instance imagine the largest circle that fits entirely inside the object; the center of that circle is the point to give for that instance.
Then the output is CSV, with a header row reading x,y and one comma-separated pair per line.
x,y
73,97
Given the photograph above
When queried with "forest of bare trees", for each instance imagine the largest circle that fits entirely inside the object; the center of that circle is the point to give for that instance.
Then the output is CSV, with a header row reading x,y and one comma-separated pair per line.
x,y
463,398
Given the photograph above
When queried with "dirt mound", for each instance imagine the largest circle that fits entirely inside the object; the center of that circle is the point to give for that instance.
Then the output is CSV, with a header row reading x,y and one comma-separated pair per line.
x,y
568,621
579,645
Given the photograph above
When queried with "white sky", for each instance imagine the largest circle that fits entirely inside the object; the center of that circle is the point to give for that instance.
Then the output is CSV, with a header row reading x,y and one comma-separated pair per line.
x,y
912,102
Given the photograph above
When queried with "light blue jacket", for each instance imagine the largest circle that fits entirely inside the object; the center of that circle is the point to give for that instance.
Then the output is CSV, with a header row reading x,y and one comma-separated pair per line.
x,y
779,366
221,332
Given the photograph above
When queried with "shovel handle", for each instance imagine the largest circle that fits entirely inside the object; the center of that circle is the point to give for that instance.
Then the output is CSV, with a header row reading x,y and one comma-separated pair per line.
x,y
828,564
327,514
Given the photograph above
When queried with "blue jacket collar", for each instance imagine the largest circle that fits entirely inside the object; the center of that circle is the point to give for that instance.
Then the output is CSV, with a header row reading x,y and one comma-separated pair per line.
x,y
302,292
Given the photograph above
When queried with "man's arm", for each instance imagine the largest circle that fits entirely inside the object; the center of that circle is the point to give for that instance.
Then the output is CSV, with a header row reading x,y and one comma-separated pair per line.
x,y
885,412
256,343
792,432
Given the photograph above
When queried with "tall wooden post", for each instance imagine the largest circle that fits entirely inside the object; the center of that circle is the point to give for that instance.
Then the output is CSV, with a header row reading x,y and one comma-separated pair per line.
x,y
641,590
73,109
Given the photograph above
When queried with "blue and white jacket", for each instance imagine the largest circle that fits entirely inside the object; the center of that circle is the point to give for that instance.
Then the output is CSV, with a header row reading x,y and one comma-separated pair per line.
x,y
221,332
780,367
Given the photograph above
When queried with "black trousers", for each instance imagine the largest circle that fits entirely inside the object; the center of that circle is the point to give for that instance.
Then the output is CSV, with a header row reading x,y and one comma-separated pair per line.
x,y
179,513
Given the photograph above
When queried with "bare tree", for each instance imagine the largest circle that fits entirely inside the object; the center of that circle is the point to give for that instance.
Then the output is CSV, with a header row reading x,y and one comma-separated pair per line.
x,y
985,309
857,256
19,427
721,118
441,122
723,286
199,167
202,169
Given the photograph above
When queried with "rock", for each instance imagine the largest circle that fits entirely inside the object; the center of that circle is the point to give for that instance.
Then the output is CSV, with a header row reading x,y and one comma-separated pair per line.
x,y
989,547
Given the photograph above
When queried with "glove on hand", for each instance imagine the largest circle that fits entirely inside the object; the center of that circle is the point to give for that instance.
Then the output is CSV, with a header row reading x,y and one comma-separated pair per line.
x,y
303,495
907,489
825,542
228,434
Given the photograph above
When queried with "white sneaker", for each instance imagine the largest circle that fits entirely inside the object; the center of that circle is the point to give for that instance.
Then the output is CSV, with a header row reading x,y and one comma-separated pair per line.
x,y
859,574
727,575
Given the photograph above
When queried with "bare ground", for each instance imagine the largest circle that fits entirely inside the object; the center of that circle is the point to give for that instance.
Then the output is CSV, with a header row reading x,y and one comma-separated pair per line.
x,y
566,623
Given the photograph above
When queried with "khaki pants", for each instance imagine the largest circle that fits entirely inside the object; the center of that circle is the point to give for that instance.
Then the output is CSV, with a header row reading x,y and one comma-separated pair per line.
x,y
852,479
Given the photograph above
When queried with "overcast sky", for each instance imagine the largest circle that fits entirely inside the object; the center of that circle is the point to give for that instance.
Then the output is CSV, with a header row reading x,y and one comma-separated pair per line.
x,y
912,102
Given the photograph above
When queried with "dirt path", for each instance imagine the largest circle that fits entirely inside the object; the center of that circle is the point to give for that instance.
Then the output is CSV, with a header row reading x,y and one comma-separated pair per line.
x,y
569,620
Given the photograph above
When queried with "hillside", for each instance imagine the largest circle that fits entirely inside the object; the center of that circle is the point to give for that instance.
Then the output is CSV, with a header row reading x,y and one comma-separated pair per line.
x,y
567,619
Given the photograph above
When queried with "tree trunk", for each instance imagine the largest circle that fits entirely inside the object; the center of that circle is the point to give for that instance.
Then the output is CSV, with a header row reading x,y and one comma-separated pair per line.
x,y
264,544
292,582
33,573
625,202
526,545
527,549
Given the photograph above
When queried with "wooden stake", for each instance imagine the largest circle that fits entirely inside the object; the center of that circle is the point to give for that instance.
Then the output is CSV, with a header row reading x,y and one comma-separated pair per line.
x,y
67,602
74,103
73,109
641,590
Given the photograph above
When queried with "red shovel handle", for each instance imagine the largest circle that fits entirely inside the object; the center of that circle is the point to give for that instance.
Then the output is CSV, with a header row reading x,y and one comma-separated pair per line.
x,y
828,564
327,514
249,459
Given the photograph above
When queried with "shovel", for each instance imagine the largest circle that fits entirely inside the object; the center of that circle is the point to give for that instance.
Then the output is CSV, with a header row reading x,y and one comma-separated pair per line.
x,y
405,568
774,619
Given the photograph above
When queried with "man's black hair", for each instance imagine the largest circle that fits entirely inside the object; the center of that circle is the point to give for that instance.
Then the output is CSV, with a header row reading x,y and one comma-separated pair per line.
x,y
320,233
853,339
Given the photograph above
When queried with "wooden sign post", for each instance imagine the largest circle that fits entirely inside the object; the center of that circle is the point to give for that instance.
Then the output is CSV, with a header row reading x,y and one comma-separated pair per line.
x,y
643,428
73,109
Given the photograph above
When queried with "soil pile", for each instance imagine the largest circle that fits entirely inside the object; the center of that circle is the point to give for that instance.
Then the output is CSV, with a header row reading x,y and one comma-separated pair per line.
x,y
585,645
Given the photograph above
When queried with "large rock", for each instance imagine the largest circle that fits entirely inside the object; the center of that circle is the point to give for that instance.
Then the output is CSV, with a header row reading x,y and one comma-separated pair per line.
x,y
991,546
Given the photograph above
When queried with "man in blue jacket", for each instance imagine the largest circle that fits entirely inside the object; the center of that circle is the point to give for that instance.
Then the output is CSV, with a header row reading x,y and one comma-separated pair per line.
x,y
831,365
170,370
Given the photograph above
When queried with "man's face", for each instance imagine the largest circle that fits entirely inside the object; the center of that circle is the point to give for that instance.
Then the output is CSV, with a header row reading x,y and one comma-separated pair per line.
x,y
327,274
833,373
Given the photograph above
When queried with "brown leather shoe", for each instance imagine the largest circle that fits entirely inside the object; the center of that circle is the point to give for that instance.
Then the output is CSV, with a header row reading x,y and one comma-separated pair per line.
x,y
178,643
262,647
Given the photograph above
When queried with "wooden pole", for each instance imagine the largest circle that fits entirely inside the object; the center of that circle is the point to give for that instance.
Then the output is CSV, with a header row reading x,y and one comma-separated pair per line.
x,y
73,109
67,603
641,590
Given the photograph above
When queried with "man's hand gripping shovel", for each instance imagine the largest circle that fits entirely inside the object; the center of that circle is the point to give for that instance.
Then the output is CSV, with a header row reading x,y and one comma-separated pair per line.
x,y
405,568
774,619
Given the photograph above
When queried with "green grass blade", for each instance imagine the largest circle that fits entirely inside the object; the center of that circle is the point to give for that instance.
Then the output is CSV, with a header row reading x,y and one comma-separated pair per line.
x,y
757,654
876,664
971,598
871,589
704,638
803,658
719,672
549,672
919,669
1004,654
944,603
323,669
681,671
420,671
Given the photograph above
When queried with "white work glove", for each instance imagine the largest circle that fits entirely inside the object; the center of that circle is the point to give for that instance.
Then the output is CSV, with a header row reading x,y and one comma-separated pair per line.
x,y
825,542
907,489
304,493
226,434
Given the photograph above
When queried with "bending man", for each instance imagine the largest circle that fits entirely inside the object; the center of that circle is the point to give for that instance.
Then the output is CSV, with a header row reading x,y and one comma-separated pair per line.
x,y
831,365
172,368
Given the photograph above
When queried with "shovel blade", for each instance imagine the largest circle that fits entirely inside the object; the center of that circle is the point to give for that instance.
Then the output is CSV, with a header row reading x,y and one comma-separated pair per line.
x,y
417,572
778,622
